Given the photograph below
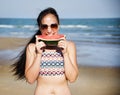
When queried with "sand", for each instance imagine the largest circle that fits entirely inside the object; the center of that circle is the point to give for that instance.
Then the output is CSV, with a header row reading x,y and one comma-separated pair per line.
x,y
12,43
91,80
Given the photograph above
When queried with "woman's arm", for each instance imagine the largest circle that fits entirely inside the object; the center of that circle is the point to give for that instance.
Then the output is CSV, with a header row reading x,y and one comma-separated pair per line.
x,y
32,67
33,59
70,59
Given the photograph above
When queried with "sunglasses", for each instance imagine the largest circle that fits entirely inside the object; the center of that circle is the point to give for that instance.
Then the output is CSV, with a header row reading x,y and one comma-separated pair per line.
x,y
52,26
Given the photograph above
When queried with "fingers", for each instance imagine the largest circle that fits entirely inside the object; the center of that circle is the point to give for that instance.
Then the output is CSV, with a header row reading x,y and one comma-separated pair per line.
x,y
37,39
62,44
40,44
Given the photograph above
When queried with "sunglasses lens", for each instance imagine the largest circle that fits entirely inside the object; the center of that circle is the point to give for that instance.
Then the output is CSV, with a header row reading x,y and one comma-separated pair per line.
x,y
54,26
44,26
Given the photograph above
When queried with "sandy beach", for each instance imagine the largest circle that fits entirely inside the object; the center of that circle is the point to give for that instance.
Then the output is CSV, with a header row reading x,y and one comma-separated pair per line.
x,y
91,80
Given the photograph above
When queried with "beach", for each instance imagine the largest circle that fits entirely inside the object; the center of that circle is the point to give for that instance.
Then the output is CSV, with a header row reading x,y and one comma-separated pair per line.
x,y
91,80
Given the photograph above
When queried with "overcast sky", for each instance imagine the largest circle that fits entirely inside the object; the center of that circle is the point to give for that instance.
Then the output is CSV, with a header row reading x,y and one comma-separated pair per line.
x,y
65,8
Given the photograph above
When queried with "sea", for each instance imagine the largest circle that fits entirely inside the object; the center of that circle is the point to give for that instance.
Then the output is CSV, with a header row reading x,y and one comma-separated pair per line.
x,y
97,40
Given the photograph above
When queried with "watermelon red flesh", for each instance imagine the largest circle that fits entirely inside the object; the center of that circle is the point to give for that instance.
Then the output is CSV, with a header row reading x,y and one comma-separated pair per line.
x,y
51,38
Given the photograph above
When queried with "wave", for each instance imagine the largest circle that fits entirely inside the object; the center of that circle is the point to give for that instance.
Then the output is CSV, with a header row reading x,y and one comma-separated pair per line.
x,y
92,35
28,26
112,26
31,27
34,26
89,26
7,26
75,26
61,26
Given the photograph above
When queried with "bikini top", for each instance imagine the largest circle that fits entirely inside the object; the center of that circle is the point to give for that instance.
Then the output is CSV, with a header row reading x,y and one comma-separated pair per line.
x,y
52,63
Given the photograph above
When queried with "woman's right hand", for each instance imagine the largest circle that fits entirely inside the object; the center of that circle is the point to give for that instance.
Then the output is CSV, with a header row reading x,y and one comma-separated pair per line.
x,y
39,45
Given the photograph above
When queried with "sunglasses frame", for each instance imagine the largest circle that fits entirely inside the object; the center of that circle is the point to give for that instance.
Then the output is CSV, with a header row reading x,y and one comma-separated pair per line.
x,y
52,26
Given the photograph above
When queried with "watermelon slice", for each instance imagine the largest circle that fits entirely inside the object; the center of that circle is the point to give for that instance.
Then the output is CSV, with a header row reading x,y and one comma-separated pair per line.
x,y
50,40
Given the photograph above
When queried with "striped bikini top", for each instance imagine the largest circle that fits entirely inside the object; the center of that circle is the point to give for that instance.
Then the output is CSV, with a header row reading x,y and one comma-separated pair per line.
x,y
52,63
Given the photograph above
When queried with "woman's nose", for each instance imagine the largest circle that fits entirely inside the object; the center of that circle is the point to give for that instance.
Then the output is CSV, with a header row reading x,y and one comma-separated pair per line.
x,y
49,29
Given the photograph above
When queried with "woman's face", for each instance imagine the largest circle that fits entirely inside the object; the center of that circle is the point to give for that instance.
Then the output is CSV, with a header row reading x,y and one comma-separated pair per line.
x,y
49,25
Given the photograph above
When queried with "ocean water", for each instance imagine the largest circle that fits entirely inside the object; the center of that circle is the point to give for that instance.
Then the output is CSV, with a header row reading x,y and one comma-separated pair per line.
x,y
97,40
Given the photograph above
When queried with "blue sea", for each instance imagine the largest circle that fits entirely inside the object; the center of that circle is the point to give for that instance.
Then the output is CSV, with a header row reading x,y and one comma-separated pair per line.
x,y
97,40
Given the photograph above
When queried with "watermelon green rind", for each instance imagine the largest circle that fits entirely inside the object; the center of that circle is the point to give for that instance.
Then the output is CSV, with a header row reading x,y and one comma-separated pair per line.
x,y
51,38
51,43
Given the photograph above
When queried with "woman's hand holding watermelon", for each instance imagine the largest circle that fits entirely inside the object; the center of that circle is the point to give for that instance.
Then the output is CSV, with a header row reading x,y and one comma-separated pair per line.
x,y
63,45
39,46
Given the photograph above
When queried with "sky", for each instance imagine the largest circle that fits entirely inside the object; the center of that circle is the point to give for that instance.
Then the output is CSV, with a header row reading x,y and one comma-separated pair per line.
x,y
65,8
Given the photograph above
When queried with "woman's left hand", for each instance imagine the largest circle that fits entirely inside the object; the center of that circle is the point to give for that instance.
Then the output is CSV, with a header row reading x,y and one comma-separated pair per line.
x,y
63,45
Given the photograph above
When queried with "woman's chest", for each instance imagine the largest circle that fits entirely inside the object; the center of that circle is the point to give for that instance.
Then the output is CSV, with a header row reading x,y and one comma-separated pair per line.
x,y
52,63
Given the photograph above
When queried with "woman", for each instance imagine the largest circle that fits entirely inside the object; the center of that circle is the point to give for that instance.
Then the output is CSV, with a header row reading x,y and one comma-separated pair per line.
x,y
34,64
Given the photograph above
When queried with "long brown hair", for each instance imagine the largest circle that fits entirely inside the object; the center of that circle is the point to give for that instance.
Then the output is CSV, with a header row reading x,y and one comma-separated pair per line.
x,y
19,65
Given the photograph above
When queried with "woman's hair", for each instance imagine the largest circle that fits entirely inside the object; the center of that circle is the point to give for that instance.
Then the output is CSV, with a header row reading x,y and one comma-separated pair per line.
x,y
19,65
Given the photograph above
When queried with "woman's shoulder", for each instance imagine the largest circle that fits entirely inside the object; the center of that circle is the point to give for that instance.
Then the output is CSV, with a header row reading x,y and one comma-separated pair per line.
x,y
71,43
71,47
31,47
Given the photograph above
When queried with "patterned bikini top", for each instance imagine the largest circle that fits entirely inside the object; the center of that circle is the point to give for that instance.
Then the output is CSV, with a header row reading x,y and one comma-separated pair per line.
x,y
52,63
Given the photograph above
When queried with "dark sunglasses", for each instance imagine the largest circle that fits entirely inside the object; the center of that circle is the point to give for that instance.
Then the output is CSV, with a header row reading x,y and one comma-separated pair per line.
x,y
52,26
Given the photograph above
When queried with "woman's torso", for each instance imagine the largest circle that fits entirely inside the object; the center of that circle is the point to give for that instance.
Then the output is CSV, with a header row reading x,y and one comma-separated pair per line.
x,y
52,80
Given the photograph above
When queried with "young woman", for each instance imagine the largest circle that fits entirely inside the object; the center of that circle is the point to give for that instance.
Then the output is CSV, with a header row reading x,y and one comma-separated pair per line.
x,y
52,68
